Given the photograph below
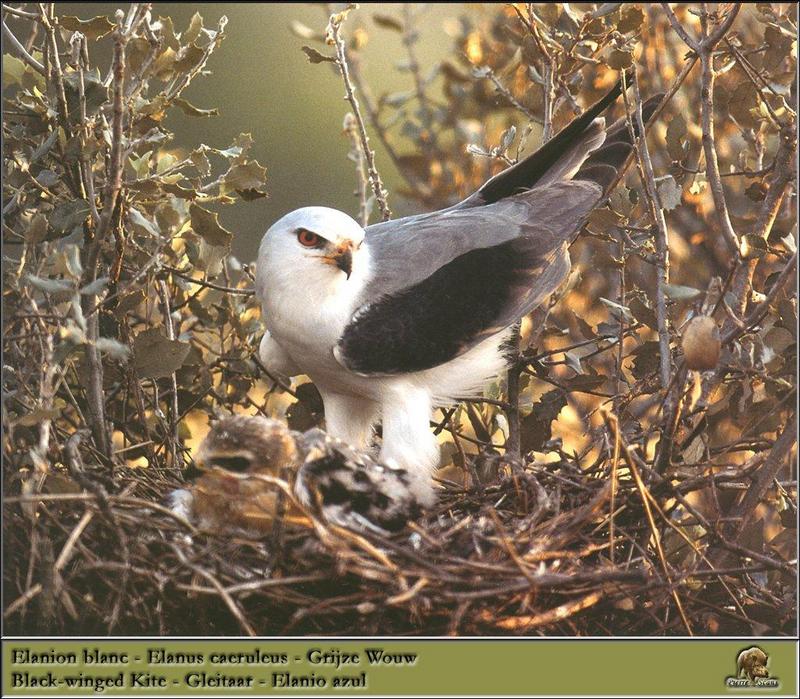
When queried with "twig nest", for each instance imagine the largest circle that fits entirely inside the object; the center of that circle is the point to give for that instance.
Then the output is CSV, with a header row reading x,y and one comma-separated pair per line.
x,y
701,344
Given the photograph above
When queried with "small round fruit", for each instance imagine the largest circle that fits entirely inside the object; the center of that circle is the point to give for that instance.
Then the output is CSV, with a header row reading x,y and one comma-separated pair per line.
x,y
701,344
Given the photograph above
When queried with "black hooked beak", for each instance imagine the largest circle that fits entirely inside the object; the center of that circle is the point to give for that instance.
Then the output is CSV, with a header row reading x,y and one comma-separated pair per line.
x,y
344,261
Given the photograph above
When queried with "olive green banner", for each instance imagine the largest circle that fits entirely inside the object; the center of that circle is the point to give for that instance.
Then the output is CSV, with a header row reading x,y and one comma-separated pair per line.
x,y
162,667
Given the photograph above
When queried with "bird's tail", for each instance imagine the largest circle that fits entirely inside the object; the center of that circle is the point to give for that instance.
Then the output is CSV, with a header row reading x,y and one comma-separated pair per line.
x,y
584,149
604,163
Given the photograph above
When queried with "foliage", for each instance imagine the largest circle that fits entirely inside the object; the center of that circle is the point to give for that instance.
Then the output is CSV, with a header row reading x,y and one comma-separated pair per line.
x,y
125,315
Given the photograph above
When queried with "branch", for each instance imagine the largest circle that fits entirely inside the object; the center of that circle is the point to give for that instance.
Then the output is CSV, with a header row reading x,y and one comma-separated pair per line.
x,y
207,284
488,73
707,77
704,50
712,40
782,178
177,460
662,234
680,29
760,311
362,179
113,186
742,511
19,49
335,38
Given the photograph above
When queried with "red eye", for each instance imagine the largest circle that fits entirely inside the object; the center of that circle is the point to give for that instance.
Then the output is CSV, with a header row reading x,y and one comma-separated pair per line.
x,y
308,239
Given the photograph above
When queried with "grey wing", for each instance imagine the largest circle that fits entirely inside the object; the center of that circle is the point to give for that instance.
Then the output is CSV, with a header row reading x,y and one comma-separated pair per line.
x,y
406,251
443,282
415,318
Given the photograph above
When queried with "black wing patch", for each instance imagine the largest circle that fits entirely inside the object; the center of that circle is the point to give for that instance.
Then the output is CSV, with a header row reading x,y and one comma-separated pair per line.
x,y
603,164
527,172
437,319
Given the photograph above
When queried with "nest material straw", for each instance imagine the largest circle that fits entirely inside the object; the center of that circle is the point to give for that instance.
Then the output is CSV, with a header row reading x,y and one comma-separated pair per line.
x,y
528,555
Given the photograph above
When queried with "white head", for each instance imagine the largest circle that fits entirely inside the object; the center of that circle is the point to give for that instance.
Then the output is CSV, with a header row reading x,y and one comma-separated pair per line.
x,y
311,255
314,239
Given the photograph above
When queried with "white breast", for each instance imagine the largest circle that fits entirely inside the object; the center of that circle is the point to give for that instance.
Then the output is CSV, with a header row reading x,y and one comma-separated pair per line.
x,y
307,313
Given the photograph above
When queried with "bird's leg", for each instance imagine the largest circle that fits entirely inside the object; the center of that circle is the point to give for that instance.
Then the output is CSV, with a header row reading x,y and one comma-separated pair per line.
x,y
350,418
408,441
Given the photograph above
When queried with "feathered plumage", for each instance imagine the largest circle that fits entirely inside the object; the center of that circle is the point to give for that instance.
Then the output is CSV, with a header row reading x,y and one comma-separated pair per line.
x,y
427,303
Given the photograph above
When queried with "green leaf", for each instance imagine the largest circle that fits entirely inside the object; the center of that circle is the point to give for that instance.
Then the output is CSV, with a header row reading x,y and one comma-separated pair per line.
x,y
244,176
618,310
643,313
536,428
66,217
141,224
743,103
676,292
669,193
192,32
49,286
93,29
141,164
645,359
36,417
315,56
619,60
37,230
168,33
676,135
188,59
95,92
388,22
632,18
206,225
585,382
13,69
129,302
155,356
190,110
205,256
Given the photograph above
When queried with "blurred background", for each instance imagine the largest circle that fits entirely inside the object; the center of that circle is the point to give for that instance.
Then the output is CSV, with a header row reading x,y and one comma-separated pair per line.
x,y
262,84
139,327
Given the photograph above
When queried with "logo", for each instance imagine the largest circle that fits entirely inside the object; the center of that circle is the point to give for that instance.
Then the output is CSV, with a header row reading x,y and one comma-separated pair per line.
x,y
752,671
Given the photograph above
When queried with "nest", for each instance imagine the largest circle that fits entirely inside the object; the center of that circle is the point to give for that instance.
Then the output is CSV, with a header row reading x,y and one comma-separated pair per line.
x,y
527,554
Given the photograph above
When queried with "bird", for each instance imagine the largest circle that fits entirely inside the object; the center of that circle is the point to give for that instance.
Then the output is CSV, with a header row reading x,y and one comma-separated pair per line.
x,y
330,480
228,493
403,316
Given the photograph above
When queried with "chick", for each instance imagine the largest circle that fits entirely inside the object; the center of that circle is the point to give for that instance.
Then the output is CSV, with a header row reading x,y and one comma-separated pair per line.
x,y
227,496
332,480
351,489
